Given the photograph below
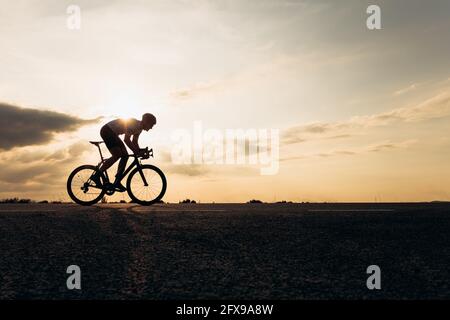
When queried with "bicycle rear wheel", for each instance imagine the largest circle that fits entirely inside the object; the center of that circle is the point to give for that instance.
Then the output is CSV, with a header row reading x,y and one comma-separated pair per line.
x,y
82,189
155,189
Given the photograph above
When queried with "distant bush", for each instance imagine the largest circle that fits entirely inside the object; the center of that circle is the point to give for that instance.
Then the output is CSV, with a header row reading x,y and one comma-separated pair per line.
x,y
43,201
255,201
16,200
284,201
122,201
188,201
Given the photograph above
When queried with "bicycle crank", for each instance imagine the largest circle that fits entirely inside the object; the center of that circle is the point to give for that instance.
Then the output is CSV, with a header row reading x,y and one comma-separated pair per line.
x,y
109,189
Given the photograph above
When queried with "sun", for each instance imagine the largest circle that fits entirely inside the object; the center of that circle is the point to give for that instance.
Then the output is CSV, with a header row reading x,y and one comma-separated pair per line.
x,y
125,104
128,102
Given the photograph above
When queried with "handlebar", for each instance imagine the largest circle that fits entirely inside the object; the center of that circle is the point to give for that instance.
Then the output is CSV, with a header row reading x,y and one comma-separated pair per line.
x,y
147,154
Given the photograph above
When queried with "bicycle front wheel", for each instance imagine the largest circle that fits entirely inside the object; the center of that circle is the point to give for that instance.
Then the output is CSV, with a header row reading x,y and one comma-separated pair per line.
x,y
81,188
152,192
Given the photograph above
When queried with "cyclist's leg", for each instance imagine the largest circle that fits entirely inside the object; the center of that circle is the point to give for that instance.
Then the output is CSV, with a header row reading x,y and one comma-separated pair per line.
x,y
114,145
122,163
116,153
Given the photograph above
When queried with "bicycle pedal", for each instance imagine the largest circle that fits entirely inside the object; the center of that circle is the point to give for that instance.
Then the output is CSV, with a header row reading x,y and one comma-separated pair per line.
x,y
119,189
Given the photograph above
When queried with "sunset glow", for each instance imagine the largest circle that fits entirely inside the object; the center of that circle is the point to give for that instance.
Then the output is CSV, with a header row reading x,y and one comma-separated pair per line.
x,y
363,115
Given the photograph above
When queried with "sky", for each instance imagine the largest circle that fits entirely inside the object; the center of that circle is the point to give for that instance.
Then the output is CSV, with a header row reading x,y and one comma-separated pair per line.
x,y
362,115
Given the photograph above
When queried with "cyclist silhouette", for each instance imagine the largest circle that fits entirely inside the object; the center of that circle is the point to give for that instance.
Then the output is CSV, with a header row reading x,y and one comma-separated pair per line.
x,y
110,133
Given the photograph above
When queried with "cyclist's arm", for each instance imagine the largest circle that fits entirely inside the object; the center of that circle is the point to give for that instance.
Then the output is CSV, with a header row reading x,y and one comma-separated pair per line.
x,y
132,144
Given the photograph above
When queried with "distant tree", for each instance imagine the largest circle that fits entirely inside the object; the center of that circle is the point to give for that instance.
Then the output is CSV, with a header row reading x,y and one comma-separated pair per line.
x,y
255,201
188,201
16,200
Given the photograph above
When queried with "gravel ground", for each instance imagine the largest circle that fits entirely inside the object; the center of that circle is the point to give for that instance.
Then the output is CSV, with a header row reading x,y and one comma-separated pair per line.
x,y
218,251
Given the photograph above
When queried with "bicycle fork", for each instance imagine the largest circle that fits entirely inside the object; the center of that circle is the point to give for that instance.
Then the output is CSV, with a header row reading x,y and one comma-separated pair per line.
x,y
142,176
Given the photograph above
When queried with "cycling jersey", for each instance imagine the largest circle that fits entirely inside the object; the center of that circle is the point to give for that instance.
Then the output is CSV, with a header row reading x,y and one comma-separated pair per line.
x,y
125,126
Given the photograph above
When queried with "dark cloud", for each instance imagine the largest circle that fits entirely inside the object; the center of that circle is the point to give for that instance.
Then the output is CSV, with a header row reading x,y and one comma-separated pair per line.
x,y
23,126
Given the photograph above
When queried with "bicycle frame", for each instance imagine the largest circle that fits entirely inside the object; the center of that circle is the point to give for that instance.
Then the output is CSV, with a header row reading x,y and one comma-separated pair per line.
x,y
135,163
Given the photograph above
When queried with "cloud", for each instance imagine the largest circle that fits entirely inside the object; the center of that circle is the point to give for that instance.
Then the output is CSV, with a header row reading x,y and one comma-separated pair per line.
x,y
379,147
409,88
191,170
373,148
24,126
433,108
43,176
43,168
195,90
203,170
72,152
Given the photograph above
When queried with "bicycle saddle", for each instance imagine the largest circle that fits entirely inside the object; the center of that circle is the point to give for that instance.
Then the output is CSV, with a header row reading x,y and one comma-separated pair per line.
x,y
96,143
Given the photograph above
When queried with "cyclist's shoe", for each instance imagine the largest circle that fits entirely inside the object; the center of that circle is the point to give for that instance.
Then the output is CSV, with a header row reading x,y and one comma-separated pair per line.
x,y
96,179
119,187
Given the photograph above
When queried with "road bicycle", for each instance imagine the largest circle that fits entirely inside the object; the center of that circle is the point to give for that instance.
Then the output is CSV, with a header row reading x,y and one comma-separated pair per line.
x,y
146,184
